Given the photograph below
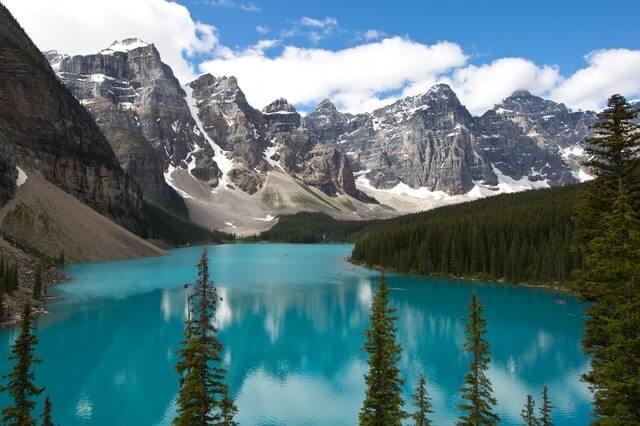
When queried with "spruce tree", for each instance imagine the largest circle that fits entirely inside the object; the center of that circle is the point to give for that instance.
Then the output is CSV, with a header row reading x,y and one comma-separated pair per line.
x,y
46,414
422,402
607,235
528,413
202,397
613,158
545,409
477,392
611,276
20,384
383,402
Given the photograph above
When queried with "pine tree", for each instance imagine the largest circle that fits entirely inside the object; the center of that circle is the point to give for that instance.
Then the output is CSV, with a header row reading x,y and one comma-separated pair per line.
x,y
528,413
37,283
20,384
46,414
383,402
477,391
545,409
608,236
202,396
613,159
611,276
422,402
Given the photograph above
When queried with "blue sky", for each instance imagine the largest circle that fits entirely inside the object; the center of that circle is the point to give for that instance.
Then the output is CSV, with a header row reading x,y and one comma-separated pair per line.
x,y
546,31
366,54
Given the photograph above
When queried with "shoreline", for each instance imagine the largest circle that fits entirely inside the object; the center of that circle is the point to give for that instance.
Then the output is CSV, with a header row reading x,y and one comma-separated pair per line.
x,y
555,288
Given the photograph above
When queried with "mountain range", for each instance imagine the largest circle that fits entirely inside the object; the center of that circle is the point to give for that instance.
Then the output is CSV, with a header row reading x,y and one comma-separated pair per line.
x,y
203,151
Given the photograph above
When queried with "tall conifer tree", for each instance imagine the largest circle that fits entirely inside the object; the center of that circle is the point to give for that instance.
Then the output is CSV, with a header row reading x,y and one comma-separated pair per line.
x,y
21,386
202,397
422,402
383,402
528,413
545,409
612,277
477,392
608,235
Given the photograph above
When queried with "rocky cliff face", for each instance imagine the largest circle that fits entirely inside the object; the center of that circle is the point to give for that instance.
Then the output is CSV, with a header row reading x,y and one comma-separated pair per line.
x,y
527,136
51,132
8,172
422,141
140,107
429,143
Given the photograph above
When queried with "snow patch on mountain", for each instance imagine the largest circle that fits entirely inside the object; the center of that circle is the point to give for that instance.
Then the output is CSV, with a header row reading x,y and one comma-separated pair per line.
x,y
220,157
125,45
22,177
168,177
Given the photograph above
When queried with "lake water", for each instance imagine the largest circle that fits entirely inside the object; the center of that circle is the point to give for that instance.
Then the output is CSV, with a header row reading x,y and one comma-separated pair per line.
x,y
292,322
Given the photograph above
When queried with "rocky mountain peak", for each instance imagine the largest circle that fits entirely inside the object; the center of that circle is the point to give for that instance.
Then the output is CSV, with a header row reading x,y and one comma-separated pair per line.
x,y
280,105
325,106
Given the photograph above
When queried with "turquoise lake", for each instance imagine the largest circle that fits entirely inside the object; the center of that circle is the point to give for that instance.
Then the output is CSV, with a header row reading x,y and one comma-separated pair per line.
x,y
292,323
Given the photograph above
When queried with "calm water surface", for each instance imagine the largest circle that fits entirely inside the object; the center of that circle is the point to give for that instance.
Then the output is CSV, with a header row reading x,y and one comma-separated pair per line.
x,y
292,321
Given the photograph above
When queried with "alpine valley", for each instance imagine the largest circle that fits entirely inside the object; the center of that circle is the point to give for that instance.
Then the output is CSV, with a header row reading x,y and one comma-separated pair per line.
x,y
237,168
109,156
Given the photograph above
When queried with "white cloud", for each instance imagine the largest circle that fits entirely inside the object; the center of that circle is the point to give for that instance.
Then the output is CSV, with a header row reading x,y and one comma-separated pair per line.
x,y
84,27
247,7
318,23
262,29
371,74
356,78
608,72
481,87
371,35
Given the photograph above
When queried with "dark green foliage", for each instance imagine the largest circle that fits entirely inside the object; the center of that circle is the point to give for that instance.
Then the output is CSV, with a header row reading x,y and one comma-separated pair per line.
x,y
314,228
608,236
37,283
614,160
477,392
610,279
175,230
46,414
528,413
422,402
20,382
203,396
545,409
383,402
523,237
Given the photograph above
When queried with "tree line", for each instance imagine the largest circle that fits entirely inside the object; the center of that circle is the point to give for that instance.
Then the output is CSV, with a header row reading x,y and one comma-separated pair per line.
x,y
523,237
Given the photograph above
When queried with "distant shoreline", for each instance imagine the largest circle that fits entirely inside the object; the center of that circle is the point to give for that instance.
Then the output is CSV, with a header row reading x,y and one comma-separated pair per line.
x,y
556,288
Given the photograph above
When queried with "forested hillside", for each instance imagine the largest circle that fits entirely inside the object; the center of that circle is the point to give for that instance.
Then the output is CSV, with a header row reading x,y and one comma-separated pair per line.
x,y
314,228
523,237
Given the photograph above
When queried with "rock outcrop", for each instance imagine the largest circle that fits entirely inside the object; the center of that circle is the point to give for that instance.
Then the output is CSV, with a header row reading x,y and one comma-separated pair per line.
x,y
140,107
51,132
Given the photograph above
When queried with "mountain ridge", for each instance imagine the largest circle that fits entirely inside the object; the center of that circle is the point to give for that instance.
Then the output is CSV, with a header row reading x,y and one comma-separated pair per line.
x,y
417,153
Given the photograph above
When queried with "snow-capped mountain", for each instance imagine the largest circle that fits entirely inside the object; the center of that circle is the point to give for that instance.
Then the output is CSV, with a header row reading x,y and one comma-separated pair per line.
x,y
208,144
